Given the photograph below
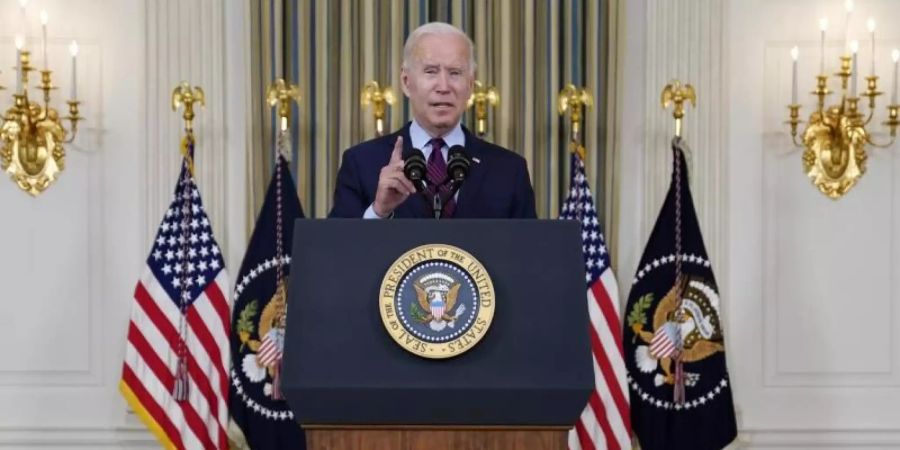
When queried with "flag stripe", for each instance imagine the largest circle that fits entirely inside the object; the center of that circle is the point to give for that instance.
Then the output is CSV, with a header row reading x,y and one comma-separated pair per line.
x,y
195,422
163,323
196,328
158,368
204,337
156,345
620,426
214,404
150,357
610,313
613,398
584,438
148,404
206,312
220,303
162,395
602,419
615,358
155,314
210,306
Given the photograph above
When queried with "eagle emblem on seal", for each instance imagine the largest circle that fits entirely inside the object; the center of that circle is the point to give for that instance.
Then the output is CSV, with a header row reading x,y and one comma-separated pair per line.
x,y
436,294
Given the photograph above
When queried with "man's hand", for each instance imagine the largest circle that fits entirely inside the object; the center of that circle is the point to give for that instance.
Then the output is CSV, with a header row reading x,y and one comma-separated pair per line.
x,y
393,186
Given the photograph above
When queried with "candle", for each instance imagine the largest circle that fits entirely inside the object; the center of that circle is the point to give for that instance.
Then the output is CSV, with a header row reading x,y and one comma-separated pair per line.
x,y
23,20
870,24
20,42
823,26
73,49
795,52
44,36
848,5
896,56
854,49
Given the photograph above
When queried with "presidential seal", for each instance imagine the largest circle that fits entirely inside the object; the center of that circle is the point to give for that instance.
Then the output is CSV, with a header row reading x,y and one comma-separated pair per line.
x,y
437,301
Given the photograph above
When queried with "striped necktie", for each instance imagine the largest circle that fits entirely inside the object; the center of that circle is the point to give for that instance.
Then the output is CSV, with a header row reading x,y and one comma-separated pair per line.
x,y
437,173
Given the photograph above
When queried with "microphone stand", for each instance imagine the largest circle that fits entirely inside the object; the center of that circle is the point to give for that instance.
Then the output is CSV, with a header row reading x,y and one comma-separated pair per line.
x,y
437,205
436,200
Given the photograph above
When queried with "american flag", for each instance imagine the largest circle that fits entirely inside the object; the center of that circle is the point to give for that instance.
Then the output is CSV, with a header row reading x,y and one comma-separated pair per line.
x,y
180,315
605,423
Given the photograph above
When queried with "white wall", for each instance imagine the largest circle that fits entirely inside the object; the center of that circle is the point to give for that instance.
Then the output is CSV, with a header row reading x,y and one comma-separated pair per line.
x,y
810,300
808,284
70,258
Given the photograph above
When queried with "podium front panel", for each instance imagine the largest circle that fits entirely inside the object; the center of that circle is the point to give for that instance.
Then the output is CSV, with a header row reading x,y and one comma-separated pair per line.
x,y
533,366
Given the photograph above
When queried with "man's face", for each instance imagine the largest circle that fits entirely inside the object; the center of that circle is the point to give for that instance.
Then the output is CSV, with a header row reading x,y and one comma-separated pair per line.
x,y
438,81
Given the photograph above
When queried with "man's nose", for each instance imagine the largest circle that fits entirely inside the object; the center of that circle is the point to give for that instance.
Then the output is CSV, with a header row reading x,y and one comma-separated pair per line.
x,y
443,82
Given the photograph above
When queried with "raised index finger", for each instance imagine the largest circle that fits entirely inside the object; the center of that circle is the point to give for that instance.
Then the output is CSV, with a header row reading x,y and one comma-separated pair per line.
x,y
397,155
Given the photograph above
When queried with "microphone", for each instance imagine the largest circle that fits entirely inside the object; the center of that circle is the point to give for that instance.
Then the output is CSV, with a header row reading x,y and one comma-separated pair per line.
x,y
458,164
414,168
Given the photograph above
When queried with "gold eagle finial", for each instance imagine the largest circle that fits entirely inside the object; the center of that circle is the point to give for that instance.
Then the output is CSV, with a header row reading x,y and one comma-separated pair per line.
x,y
184,95
676,94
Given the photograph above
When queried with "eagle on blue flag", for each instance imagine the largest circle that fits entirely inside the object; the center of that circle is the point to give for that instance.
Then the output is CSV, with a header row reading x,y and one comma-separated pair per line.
x,y
673,338
260,314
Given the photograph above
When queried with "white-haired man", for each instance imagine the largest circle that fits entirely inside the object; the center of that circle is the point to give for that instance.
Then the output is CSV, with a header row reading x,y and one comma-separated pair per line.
x,y
437,75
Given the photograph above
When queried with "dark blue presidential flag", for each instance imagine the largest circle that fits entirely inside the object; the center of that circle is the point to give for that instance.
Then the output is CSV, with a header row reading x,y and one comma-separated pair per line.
x,y
673,338
260,313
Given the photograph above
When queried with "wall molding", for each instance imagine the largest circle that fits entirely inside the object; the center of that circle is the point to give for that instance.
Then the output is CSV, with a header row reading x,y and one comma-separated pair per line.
x,y
80,183
86,437
779,155
807,438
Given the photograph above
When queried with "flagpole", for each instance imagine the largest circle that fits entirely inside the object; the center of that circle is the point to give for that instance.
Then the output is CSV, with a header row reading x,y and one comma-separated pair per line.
x,y
185,96
280,95
676,94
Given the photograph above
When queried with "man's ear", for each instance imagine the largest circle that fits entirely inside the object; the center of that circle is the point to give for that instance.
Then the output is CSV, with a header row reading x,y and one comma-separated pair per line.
x,y
404,81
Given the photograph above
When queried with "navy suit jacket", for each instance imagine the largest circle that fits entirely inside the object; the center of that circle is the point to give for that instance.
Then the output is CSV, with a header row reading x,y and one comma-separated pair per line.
x,y
497,186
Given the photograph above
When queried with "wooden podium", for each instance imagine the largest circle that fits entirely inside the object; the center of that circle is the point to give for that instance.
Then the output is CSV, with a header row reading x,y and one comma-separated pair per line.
x,y
522,387
425,438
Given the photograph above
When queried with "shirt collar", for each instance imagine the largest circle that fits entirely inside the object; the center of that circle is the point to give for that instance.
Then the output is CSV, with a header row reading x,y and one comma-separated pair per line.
x,y
420,138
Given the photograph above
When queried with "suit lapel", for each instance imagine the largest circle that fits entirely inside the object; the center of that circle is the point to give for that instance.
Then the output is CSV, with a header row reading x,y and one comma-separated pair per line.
x,y
468,193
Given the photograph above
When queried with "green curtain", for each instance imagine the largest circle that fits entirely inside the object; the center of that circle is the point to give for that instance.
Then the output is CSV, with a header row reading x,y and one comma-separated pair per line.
x,y
527,49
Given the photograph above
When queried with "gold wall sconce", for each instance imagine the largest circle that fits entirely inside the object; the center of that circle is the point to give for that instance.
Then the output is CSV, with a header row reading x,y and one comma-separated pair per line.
x,y
836,135
32,132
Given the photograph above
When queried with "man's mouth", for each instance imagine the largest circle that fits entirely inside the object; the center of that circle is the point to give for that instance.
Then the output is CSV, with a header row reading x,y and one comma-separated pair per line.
x,y
441,105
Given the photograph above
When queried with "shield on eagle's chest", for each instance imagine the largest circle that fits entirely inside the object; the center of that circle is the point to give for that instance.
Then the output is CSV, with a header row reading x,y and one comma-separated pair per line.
x,y
437,306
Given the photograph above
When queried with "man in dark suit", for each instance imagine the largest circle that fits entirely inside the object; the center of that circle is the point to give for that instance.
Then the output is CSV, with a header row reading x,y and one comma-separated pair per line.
x,y
438,75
